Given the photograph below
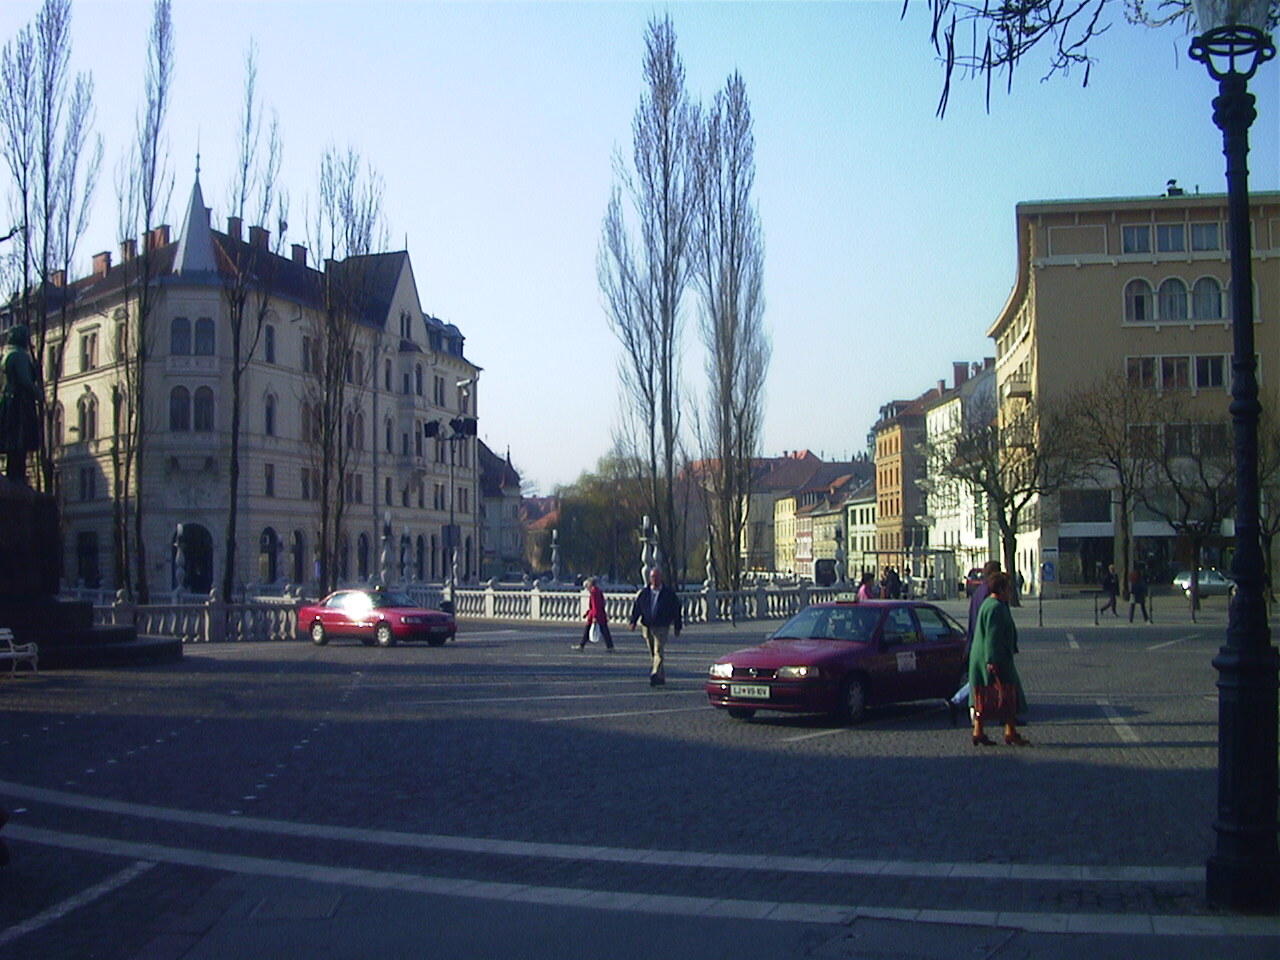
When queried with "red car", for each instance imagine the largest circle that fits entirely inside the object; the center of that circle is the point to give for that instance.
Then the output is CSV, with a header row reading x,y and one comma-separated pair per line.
x,y
384,617
839,658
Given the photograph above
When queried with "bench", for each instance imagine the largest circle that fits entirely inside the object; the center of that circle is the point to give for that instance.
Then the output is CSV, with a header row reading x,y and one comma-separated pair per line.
x,y
16,653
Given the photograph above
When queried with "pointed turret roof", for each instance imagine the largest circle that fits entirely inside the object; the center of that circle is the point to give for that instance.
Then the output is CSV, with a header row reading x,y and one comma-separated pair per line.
x,y
195,249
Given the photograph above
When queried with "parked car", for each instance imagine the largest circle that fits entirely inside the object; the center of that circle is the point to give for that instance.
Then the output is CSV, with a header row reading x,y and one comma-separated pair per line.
x,y
384,617
841,658
1209,582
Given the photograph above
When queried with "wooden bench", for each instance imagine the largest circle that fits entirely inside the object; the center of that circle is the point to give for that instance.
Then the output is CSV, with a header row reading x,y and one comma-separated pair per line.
x,y
16,653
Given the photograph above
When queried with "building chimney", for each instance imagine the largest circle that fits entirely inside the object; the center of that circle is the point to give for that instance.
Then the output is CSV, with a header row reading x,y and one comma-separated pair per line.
x,y
234,225
960,372
300,254
128,250
58,278
158,237
942,387
258,237
101,263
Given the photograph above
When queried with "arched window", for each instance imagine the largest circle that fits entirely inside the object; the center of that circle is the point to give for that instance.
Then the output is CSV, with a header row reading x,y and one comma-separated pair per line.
x,y
389,437
359,368
1137,302
269,343
386,376
269,416
351,430
180,336
88,408
359,431
202,410
268,555
1206,299
204,337
57,426
1173,300
179,409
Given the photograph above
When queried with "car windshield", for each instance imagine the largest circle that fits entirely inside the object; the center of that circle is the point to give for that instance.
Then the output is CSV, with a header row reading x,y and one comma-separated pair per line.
x,y
831,623
392,598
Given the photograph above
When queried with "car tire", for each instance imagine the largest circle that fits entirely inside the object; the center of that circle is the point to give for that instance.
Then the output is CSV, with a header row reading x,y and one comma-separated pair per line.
x,y
853,700
318,636
741,713
383,636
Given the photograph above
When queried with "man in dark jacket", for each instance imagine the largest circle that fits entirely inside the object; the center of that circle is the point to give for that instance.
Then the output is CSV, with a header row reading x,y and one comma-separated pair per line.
x,y
657,608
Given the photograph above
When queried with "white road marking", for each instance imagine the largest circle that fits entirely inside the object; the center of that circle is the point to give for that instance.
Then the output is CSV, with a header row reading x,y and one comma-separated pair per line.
x,y
1169,643
58,911
610,716
1122,728
667,904
1072,642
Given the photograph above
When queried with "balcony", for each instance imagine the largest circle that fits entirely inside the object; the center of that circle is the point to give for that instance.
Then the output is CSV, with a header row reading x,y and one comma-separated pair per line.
x,y
1017,388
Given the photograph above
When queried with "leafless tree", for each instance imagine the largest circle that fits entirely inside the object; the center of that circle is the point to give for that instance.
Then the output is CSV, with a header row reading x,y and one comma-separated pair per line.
x,y
728,270
144,185
1105,412
986,38
248,283
18,127
1014,459
644,269
1192,483
347,227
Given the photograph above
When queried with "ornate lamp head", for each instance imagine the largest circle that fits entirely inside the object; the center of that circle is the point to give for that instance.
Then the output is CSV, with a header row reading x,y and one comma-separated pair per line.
x,y
1233,41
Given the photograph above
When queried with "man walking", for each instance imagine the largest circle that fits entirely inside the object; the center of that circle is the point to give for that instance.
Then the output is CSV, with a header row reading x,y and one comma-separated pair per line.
x,y
657,608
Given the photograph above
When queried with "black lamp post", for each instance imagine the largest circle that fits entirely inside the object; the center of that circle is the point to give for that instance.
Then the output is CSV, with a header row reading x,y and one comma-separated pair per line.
x,y
1243,872
461,429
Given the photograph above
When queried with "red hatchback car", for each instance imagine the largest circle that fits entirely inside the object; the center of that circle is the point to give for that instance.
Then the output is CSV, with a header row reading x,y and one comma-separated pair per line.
x,y
384,617
839,658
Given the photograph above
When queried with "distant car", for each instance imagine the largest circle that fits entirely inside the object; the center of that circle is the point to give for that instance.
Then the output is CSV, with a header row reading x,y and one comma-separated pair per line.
x,y
972,580
840,658
384,617
1209,583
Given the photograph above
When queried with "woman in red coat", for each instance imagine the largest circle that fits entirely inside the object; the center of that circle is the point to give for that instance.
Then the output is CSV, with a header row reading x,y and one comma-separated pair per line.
x,y
596,614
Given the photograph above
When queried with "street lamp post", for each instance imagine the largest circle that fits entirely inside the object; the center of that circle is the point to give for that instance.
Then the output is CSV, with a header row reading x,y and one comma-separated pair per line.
x,y
1243,873
461,429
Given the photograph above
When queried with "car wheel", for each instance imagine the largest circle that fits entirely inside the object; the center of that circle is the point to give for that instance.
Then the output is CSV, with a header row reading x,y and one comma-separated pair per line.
x,y
382,635
741,713
318,636
853,702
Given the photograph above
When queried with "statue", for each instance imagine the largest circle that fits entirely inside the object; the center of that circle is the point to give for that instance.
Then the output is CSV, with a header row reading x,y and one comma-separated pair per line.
x,y
19,405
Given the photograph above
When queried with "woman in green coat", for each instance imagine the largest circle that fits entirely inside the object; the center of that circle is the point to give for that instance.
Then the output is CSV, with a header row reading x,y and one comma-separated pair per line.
x,y
995,641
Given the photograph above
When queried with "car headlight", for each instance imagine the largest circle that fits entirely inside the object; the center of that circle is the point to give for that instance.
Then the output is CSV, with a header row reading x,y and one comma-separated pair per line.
x,y
722,671
796,673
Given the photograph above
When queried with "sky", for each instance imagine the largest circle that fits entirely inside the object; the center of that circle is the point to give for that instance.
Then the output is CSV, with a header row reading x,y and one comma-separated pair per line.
x,y
889,232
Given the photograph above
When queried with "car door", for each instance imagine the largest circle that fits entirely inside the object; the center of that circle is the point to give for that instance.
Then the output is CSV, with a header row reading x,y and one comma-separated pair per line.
x,y
333,614
941,656
901,645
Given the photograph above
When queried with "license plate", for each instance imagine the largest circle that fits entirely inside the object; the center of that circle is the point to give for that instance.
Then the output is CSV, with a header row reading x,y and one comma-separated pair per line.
x,y
749,691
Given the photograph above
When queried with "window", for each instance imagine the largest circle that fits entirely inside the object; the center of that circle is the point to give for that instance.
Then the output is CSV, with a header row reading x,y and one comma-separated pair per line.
x,y
269,479
53,366
202,410
1175,373
1205,236
180,336
1144,439
1136,239
1173,300
1137,301
308,366
388,436
1171,238
1142,372
179,409
404,497
269,343
88,351
386,491
418,441
386,376
269,416
1206,299
437,391
1179,440
204,337
56,425
1210,372
417,379
1214,438
88,483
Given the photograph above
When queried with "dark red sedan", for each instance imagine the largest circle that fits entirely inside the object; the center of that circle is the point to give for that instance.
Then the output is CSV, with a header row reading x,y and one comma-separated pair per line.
x,y
384,617
840,658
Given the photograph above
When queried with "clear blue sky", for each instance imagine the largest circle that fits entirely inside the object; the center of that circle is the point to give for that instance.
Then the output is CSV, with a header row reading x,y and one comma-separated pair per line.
x,y
889,232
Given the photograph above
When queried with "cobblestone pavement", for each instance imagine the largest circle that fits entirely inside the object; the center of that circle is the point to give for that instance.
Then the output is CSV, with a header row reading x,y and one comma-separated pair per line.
x,y
506,795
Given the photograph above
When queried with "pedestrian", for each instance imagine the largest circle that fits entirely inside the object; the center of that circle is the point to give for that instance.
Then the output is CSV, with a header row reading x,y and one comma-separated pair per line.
x,y
997,688
895,585
657,609
1111,587
597,616
867,586
980,593
1138,593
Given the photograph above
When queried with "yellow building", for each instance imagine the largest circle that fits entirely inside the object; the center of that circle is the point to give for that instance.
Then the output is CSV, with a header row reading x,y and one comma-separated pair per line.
x,y
1131,288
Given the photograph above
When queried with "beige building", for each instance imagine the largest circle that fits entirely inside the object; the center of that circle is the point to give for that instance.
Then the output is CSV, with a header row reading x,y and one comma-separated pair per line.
x,y
401,487
1135,288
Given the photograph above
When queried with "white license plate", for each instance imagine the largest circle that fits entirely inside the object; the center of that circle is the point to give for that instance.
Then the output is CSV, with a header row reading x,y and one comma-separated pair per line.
x,y
749,691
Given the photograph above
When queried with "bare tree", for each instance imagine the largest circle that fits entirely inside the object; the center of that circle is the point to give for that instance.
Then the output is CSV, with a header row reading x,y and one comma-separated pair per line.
x,y
728,269
346,229
143,187
248,283
643,272
1105,413
1014,460
18,126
